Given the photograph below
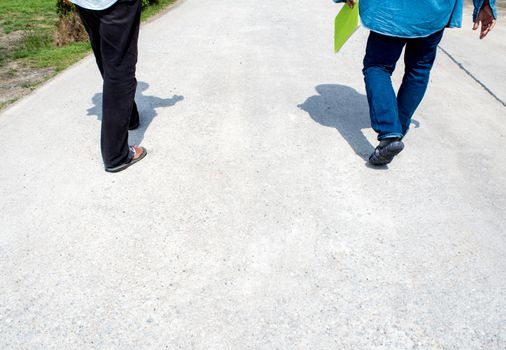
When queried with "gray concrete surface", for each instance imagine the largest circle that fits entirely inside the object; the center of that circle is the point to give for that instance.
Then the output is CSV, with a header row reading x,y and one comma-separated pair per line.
x,y
254,222
483,61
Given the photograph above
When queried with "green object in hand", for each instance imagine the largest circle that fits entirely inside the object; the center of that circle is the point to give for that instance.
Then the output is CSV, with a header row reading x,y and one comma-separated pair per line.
x,y
345,25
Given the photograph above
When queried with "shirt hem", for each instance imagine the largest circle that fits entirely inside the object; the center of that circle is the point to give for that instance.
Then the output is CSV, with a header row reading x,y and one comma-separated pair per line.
x,y
402,36
99,8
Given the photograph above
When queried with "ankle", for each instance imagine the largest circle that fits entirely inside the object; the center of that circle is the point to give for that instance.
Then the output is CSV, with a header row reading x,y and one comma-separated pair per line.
x,y
386,142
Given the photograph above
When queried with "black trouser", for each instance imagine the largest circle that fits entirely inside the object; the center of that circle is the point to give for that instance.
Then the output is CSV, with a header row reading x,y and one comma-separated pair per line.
x,y
114,34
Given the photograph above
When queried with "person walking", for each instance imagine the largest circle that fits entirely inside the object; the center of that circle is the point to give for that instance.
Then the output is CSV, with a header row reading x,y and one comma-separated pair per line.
x,y
418,27
113,29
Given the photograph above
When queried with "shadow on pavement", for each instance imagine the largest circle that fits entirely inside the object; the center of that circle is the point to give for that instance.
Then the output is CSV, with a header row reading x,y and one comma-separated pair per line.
x,y
342,108
147,106
345,109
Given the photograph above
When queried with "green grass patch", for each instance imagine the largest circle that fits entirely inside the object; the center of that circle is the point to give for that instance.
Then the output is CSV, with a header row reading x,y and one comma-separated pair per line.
x,y
27,14
37,19
155,8
58,58
6,103
33,42
33,23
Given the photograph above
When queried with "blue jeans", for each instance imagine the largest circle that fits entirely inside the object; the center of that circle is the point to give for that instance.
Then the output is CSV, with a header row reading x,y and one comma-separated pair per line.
x,y
391,114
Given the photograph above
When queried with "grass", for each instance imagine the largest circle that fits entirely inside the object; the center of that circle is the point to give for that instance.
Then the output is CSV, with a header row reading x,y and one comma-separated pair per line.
x,y
155,8
6,103
35,21
58,58
33,41
27,14
35,18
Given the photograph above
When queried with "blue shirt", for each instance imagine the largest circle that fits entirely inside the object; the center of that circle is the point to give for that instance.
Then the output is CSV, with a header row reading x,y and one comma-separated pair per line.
x,y
94,4
414,18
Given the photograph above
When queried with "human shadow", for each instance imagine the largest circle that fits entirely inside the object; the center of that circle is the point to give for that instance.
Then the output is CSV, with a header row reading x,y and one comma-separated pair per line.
x,y
343,108
147,106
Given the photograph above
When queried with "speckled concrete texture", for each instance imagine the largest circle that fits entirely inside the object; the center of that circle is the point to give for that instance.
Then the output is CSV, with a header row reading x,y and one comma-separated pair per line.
x,y
254,222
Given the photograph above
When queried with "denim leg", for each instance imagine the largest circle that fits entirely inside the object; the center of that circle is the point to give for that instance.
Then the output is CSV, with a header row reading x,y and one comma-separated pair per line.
x,y
418,58
382,54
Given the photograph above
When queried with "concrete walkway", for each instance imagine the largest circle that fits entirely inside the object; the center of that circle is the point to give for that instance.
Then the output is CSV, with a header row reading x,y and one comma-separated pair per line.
x,y
254,222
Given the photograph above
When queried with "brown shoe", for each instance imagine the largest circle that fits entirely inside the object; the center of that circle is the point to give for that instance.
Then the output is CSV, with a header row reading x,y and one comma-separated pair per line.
x,y
139,154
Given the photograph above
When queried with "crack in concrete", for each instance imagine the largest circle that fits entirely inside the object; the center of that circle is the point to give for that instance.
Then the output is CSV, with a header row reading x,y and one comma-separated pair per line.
x,y
461,66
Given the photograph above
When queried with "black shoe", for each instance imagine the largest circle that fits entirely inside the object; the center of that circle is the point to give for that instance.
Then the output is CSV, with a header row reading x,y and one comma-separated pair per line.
x,y
383,154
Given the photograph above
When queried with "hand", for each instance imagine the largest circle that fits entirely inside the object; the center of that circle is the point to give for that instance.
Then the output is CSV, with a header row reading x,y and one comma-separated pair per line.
x,y
351,3
486,17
